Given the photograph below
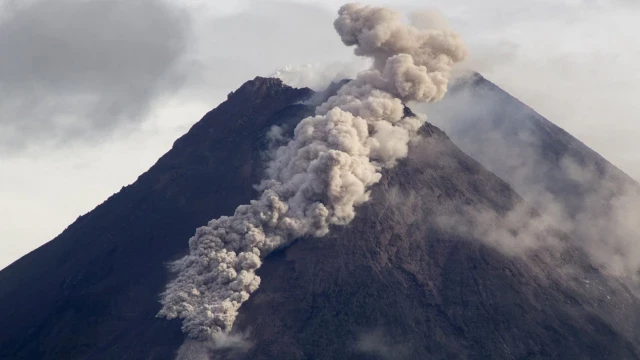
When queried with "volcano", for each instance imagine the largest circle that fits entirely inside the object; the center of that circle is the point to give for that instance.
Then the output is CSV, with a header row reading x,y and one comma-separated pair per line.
x,y
397,283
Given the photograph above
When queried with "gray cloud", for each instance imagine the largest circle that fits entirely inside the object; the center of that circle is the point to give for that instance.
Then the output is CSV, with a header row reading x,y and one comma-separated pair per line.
x,y
74,70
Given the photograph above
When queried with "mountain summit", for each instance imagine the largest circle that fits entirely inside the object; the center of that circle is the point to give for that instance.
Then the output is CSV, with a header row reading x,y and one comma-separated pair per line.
x,y
399,282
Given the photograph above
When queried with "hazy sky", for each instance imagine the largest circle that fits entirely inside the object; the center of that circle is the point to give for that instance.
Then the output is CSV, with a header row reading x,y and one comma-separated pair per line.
x,y
93,92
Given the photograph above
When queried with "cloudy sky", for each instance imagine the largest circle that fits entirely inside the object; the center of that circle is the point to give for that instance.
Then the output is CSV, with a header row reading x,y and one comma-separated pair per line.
x,y
92,92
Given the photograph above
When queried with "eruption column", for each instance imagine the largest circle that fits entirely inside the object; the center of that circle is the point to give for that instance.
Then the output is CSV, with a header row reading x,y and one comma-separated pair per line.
x,y
324,172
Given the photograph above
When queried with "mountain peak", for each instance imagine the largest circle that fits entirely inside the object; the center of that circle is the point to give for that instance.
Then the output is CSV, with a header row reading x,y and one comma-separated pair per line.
x,y
259,87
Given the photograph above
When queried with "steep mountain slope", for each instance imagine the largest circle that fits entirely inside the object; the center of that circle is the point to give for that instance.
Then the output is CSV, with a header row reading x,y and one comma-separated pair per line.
x,y
598,203
93,291
396,283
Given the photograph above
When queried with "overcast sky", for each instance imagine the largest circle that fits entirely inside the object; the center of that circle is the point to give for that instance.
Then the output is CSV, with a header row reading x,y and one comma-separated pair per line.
x,y
93,92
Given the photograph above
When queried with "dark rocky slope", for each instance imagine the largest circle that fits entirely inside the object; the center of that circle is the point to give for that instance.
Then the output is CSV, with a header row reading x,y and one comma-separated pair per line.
x,y
394,284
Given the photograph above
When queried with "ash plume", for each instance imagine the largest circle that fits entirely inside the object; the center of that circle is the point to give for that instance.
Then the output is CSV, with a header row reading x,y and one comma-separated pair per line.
x,y
323,173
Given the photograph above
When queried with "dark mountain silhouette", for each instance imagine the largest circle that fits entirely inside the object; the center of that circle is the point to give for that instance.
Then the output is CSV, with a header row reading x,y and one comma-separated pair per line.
x,y
394,284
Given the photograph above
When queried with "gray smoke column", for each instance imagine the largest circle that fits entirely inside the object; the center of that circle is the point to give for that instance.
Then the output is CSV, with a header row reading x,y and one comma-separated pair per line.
x,y
318,178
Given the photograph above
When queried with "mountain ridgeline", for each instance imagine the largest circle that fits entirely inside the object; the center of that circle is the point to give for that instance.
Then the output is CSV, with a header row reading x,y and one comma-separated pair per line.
x,y
399,282
597,203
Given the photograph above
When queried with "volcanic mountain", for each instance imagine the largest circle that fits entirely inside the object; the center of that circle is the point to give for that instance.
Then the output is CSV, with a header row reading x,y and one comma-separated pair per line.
x,y
417,274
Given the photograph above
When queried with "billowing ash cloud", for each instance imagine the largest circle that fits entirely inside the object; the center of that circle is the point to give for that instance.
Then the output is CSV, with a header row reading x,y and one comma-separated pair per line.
x,y
319,177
